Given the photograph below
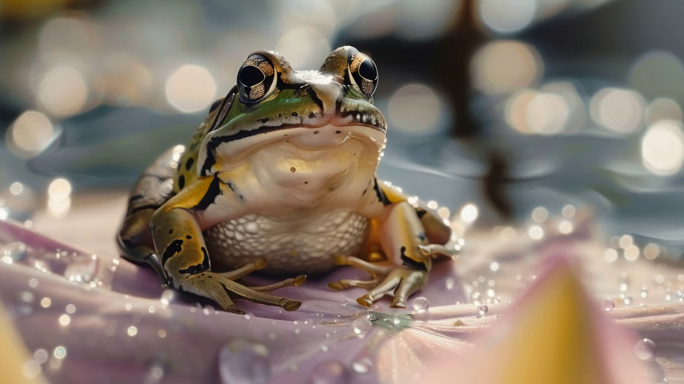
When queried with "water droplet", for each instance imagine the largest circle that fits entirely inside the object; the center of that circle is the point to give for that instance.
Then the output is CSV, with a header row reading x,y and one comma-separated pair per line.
x,y
33,282
155,373
161,333
59,352
13,251
83,269
40,356
132,330
331,372
494,266
607,304
449,283
298,331
645,349
70,309
31,369
64,320
361,325
167,297
363,365
482,310
244,362
209,310
26,297
420,304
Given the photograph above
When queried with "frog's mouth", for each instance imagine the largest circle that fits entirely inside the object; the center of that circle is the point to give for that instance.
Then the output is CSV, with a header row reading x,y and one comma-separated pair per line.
x,y
243,143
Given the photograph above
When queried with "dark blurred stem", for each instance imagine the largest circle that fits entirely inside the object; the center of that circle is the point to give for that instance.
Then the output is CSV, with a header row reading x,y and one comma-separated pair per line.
x,y
455,52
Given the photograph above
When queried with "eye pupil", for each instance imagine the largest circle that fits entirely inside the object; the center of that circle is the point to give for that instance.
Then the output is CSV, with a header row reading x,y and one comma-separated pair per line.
x,y
251,76
367,70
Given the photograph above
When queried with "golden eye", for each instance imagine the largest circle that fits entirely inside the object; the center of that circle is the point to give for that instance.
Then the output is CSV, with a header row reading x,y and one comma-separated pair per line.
x,y
363,73
256,79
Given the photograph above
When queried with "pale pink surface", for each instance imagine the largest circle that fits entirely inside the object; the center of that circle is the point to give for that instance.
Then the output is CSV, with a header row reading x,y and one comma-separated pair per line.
x,y
99,348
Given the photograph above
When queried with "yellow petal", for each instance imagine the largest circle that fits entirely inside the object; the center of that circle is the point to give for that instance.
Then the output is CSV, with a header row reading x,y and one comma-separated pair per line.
x,y
14,356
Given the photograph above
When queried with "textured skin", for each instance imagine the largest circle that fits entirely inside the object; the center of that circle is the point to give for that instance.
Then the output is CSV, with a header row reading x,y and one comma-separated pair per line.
x,y
286,182
289,246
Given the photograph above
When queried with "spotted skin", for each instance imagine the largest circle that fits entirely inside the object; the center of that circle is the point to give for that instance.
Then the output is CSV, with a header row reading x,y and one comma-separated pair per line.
x,y
280,177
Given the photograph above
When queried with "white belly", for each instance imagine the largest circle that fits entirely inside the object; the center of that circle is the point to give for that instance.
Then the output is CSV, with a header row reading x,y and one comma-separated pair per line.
x,y
306,244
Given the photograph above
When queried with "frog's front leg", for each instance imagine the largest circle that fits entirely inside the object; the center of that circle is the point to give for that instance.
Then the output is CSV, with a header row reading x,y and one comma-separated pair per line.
x,y
178,238
401,236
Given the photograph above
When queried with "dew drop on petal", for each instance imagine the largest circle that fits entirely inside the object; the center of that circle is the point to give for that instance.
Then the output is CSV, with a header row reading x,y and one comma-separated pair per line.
x,y
363,365
167,296
331,372
26,297
14,251
361,324
482,310
31,369
59,352
449,283
607,304
82,270
155,373
244,362
645,349
420,304
40,355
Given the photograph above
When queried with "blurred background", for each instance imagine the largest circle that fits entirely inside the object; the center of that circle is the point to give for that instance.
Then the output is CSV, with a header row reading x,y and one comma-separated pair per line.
x,y
500,111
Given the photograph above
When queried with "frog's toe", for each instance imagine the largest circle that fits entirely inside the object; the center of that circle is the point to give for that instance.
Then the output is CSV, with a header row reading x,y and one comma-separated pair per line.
x,y
246,269
221,289
373,269
346,284
408,285
296,282
401,283
438,250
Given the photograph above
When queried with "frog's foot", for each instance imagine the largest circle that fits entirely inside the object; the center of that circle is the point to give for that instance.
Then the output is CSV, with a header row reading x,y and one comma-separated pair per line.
x,y
438,250
221,289
388,279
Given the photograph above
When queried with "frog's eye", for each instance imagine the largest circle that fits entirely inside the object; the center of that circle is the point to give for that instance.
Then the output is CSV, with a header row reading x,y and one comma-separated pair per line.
x,y
256,79
363,74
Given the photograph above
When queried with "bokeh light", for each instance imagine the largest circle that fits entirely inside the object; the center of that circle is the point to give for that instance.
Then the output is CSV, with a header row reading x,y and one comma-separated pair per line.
x,y
507,16
533,112
420,20
30,133
619,110
318,14
68,35
190,88
662,148
303,47
469,213
547,113
414,108
128,81
658,74
663,109
505,66
63,91
59,197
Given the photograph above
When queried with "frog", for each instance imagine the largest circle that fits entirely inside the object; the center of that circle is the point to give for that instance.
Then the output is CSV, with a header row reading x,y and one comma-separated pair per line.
x,y
280,178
